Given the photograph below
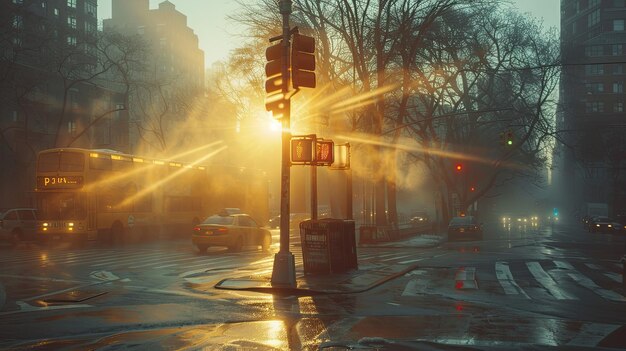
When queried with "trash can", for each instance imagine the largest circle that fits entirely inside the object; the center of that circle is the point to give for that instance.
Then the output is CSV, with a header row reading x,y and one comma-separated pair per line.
x,y
328,245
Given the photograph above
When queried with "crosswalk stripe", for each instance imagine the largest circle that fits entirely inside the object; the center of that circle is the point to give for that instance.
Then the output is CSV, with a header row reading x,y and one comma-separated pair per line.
x,y
614,276
547,282
564,265
111,257
589,284
593,266
505,278
117,261
160,260
395,258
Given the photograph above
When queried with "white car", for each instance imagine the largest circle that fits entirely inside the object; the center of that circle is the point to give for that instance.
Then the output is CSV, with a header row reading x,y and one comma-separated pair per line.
x,y
18,224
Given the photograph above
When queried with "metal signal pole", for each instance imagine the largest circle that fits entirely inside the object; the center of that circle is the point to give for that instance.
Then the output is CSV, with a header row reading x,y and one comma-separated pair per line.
x,y
284,270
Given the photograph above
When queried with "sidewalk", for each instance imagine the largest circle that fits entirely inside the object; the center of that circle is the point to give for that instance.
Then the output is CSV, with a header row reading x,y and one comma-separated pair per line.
x,y
366,277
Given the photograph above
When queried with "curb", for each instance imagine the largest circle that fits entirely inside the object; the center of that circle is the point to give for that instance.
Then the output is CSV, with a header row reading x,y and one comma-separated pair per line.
x,y
264,285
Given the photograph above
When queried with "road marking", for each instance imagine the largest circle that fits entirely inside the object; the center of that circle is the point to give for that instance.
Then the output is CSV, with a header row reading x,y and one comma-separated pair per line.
x,y
161,260
614,276
24,307
589,284
547,282
117,261
564,265
40,278
593,266
395,258
110,257
505,278
591,334
465,278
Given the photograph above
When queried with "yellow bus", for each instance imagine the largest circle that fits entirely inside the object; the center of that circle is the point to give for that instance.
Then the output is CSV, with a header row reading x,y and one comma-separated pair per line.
x,y
85,194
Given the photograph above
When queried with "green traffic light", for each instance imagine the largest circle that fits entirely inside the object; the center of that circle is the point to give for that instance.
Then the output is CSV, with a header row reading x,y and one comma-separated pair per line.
x,y
510,142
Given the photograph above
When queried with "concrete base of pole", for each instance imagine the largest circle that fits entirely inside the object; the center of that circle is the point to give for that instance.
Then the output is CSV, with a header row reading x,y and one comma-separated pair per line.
x,y
284,271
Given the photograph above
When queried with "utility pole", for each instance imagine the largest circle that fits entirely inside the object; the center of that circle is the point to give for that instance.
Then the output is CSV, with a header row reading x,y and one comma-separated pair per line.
x,y
284,270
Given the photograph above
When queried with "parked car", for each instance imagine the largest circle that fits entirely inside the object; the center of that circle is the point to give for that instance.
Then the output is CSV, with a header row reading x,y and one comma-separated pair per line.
x,y
234,231
464,228
603,225
18,224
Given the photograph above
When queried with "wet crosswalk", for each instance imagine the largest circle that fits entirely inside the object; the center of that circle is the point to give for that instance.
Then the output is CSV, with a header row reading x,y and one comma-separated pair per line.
x,y
181,262
560,280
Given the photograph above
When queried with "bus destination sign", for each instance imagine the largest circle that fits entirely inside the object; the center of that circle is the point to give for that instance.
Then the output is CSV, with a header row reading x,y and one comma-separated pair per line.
x,y
60,182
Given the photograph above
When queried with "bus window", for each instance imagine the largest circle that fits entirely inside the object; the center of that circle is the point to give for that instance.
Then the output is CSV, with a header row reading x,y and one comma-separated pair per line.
x,y
61,206
122,165
72,162
48,162
100,163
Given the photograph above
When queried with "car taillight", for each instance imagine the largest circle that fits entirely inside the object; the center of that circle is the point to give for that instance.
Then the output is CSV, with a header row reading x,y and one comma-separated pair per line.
x,y
222,230
197,229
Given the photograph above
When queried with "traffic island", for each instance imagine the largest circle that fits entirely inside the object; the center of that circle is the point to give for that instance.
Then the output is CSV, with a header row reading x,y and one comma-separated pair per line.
x,y
355,281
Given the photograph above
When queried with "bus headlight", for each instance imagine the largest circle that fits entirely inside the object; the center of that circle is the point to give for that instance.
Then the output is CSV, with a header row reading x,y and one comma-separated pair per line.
x,y
70,224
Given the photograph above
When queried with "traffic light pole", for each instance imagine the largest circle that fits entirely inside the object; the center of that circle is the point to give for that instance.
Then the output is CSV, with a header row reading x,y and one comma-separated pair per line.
x,y
284,270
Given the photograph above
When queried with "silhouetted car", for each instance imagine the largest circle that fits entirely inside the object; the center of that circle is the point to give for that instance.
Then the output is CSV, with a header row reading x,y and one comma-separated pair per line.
x,y
18,224
465,228
233,231
294,220
419,219
603,225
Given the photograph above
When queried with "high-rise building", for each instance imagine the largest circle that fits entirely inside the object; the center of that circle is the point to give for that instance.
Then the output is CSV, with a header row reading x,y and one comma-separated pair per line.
x,y
174,63
590,166
48,97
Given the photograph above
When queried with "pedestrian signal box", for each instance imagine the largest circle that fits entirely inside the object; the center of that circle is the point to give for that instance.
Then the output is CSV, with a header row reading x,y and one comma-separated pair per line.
x,y
325,155
302,149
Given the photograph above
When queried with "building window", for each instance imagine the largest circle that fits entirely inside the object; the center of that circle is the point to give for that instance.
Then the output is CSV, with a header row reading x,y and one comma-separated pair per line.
x,y
593,18
71,40
618,3
593,3
71,4
91,8
618,25
618,107
617,49
17,41
56,12
594,88
591,107
618,87
618,69
43,4
18,22
71,22
71,127
18,2
594,50
90,28
594,70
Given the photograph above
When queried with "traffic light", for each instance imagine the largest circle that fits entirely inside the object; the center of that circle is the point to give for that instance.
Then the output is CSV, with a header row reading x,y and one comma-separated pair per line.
x,y
458,167
275,100
303,61
509,138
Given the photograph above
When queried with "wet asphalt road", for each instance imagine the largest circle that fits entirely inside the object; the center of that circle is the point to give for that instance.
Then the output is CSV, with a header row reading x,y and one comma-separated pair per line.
x,y
553,286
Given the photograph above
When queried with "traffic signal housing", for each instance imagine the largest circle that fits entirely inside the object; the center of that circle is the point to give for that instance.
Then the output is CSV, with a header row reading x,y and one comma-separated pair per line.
x,y
508,138
275,99
303,61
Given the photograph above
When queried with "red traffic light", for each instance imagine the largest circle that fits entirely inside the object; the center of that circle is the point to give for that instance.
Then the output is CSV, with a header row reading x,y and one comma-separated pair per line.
x,y
459,167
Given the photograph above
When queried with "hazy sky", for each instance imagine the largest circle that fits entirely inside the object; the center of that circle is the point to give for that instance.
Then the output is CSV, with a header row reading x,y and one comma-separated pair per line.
x,y
217,34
